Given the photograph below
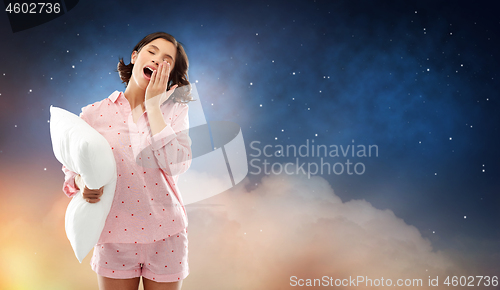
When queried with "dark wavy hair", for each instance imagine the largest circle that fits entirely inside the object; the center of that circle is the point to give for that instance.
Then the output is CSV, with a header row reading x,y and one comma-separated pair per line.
x,y
178,76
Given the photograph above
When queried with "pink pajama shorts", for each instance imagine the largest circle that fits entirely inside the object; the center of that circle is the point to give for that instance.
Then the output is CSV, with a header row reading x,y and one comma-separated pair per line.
x,y
162,261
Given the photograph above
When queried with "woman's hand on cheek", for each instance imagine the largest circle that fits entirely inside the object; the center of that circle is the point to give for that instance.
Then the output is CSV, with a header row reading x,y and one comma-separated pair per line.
x,y
156,91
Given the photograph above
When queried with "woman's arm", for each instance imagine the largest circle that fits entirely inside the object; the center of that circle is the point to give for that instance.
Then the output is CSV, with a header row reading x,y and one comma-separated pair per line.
x,y
156,122
155,95
73,182
69,186
172,145
169,139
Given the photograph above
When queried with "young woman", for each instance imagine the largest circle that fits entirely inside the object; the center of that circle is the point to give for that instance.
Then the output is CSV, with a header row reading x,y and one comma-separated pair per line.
x,y
145,233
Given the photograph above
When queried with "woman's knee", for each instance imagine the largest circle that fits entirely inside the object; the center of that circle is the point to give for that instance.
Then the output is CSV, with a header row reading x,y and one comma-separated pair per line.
x,y
153,285
106,283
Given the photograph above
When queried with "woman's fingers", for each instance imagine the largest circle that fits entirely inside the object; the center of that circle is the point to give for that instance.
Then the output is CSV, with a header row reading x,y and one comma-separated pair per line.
x,y
93,191
165,76
160,75
92,195
92,200
152,81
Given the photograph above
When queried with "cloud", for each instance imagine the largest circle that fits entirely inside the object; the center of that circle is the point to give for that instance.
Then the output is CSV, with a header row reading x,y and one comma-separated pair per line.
x,y
257,237
249,237
32,234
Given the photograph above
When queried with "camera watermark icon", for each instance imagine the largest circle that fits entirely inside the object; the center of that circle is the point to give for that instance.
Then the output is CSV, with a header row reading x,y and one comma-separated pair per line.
x,y
218,159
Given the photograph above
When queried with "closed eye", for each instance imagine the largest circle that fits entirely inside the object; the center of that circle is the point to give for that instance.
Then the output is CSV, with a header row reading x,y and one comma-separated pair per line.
x,y
154,53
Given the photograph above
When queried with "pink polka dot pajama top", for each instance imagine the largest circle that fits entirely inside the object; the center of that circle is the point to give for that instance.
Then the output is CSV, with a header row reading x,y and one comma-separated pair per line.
x,y
147,205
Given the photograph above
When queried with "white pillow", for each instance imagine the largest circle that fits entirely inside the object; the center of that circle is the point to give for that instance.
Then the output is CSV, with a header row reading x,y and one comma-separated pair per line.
x,y
85,151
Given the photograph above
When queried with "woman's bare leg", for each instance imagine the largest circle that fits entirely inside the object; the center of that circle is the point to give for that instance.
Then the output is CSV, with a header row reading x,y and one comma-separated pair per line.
x,y
106,283
152,285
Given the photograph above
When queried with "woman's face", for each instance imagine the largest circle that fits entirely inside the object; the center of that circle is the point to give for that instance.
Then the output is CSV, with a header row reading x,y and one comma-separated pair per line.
x,y
149,58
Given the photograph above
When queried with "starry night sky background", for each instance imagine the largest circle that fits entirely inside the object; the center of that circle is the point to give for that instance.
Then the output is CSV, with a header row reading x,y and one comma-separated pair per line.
x,y
417,78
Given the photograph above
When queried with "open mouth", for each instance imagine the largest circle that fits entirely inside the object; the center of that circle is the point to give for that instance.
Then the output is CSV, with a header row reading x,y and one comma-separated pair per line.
x,y
148,72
